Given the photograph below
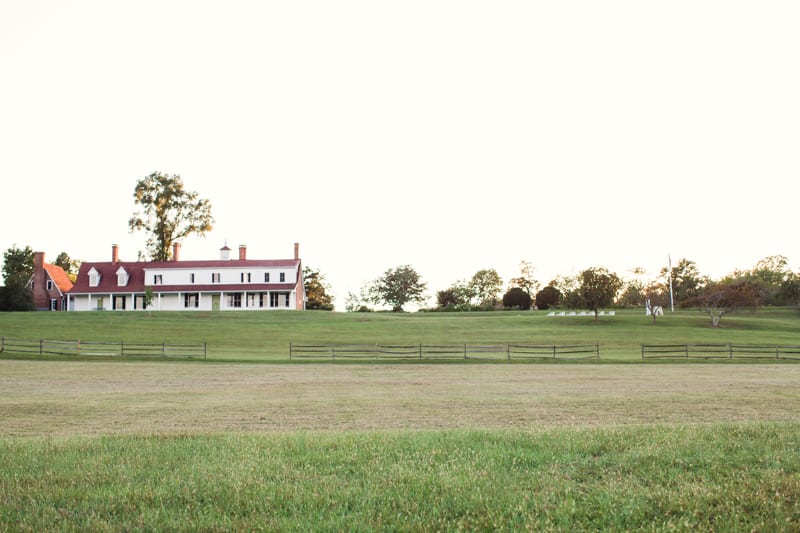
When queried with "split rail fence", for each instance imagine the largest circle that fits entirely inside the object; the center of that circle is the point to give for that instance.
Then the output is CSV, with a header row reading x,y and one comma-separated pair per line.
x,y
112,349
719,351
445,351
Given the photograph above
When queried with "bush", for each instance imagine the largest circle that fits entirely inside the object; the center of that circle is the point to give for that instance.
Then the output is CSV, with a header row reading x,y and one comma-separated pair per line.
x,y
516,298
547,298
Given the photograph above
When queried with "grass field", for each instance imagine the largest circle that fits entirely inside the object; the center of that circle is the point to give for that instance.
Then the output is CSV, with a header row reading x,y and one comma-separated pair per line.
x,y
265,336
237,442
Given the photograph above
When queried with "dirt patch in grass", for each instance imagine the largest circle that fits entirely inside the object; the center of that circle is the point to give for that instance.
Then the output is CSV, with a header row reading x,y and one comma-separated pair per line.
x,y
77,398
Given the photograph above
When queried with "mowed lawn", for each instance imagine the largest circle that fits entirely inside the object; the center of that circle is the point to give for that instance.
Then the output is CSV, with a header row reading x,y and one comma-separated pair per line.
x,y
266,336
237,442
222,446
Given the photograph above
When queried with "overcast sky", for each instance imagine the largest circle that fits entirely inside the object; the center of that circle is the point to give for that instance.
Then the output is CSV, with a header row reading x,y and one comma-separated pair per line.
x,y
448,135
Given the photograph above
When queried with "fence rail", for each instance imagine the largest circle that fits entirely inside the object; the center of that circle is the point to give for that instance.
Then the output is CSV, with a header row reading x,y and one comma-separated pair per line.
x,y
719,351
111,349
492,351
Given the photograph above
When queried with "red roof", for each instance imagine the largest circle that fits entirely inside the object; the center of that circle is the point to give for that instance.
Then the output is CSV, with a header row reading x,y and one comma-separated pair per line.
x,y
136,276
59,277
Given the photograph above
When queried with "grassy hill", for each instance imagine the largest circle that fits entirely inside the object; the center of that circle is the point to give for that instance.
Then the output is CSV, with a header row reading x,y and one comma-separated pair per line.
x,y
260,336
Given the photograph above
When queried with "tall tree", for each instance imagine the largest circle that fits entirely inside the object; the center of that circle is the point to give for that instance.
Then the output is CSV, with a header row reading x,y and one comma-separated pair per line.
x,y
598,288
168,213
68,265
525,280
485,286
687,282
17,270
316,290
398,287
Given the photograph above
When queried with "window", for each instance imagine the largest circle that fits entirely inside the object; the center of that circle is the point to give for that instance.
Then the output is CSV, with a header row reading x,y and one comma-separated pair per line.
x,y
216,277
251,300
266,277
191,299
283,277
94,277
122,277
246,277
158,279
49,285
279,299
53,304
191,277
235,299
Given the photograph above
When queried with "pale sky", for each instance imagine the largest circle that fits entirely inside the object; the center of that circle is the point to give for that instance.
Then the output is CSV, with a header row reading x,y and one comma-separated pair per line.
x,y
449,135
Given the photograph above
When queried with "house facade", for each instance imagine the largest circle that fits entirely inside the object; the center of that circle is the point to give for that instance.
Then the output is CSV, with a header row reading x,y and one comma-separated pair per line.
x,y
49,285
215,285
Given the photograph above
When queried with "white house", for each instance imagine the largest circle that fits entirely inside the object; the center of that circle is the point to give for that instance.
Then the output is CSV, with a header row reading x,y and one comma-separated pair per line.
x,y
223,284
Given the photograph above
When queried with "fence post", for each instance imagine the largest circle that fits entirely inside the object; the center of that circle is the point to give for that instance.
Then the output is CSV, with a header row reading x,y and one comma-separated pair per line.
x,y
333,351
205,349
777,352
465,350
79,346
420,350
730,350
2,344
686,347
598,350
290,350
508,352
554,351
642,350
41,346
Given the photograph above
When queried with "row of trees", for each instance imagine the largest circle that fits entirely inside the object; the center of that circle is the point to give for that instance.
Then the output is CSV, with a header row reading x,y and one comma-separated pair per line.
x,y
769,282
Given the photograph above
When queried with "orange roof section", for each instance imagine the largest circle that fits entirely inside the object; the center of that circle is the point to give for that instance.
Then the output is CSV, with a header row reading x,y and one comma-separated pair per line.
x,y
58,276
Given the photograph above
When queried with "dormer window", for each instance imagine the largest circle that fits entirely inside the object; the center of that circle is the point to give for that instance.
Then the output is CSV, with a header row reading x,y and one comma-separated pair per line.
x,y
94,277
158,279
122,277
283,277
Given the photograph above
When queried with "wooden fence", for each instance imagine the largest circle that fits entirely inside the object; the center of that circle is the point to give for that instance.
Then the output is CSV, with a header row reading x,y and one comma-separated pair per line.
x,y
491,351
119,349
719,351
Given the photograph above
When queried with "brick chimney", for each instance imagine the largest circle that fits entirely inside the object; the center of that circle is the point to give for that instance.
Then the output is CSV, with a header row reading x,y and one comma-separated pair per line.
x,y
297,250
176,251
114,253
242,252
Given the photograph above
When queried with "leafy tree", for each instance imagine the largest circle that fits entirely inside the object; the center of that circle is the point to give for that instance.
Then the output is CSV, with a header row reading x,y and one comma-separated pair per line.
x,y
69,266
485,286
687,283
397,287
525,280
316,290
168,213
456,297
768,276
547,297
517,298
357,303
790,291
17,270
148,298
569,289
721,299
598,288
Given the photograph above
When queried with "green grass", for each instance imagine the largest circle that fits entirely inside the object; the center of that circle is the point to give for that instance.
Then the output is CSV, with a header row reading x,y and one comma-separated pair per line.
x,y
266,335
97,445
720,477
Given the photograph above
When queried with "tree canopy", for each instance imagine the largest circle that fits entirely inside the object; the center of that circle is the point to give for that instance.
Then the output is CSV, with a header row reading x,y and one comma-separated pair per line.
x,y
398,287
17,270
598,288
721,299
316,288
168,213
